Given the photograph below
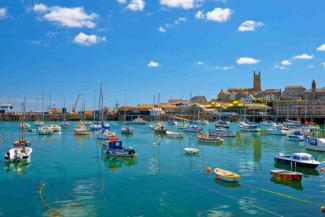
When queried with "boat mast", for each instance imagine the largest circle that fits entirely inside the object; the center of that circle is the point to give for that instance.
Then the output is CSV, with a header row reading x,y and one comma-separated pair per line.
x,y
43,113
124,107
94,114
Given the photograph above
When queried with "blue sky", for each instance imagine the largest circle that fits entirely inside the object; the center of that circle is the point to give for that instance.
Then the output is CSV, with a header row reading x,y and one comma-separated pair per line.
x,y
167,46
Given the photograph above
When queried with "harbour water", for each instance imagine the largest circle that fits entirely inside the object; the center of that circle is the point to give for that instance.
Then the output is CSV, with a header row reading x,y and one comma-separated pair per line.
x,y
71,176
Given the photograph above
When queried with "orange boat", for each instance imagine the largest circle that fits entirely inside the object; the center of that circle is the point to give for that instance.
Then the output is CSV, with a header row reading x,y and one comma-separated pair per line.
x,y
209,139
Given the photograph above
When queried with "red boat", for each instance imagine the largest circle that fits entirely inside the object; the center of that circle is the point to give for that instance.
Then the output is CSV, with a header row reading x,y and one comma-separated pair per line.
x,y
209,139
286,175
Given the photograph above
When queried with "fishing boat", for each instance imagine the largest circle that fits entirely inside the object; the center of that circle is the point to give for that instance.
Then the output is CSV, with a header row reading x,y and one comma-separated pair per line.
x,y
278,130
209,139
19,153
199,122
115,149
286,175
226,175
193,129
172,122
127,130
21,149
55,127
138,121
174,134
297,136
249,127
297,160
221,132
315,144
45,130
159,128
81,130
193,151
95,126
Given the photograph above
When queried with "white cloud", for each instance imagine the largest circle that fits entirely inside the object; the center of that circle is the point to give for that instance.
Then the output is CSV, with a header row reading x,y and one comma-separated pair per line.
x,y
161,29
323,64
185,4
122,2
224,68
216,15
153,64
219,15
304,57
3,13
199,62
247,60
87,40
286,62
136,5
199,15
68,17
249,25
281,67
321,48
40,7
168,26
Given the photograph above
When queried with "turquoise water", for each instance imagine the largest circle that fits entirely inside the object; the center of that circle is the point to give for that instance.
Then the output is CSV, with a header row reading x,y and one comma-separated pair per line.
x,y
70,176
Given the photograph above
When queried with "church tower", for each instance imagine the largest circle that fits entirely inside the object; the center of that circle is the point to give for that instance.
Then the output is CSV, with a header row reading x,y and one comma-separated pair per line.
x,y
257,81
313,90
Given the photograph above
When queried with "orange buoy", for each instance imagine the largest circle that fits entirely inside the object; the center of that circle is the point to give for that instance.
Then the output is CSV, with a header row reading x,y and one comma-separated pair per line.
x,y
322,169
322,209
209,170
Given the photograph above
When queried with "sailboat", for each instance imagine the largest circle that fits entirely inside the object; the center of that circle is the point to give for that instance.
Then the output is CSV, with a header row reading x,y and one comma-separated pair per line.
x,y
105,132
65,123
248,126
126,129
38,122
44,129
21,149
95,126
158,127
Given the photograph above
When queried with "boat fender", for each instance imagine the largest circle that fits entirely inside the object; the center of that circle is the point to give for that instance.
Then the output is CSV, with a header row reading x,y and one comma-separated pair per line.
x,y
209,170
322,209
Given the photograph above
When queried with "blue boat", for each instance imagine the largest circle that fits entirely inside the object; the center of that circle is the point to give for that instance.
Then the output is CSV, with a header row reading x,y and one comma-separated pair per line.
x,y
297,160
115,149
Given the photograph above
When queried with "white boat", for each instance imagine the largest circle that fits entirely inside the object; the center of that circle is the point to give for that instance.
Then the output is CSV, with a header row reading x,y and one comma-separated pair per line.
x,y
193,129
55,127
126,130
45,130
138,121
95,126
80,130
297,136
267,123
19,153
278,130
297,160
193,151
221,132
65,124
174,134
38,123
105,134
316,144
24,125
248,127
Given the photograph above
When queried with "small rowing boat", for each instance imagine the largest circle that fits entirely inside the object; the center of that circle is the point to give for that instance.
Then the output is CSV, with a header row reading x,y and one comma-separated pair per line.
x,y
286,175
209,139
193,151
226,175
174,134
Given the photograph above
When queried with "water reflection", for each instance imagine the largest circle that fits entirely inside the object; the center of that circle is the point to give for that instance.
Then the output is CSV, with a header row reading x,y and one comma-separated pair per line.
x,y
305,171
257,152
17,167
292,184
227,184
114,164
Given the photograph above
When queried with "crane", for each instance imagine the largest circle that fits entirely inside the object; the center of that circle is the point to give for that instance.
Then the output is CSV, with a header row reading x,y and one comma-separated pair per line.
x,y
75,105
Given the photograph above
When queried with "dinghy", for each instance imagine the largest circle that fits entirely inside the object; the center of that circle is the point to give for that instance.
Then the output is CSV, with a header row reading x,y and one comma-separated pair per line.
x,y
226,175
192,151
209,139
174,134
286,175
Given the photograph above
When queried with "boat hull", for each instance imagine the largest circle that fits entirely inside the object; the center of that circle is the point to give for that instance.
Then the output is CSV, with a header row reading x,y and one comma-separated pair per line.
x,y
295,163
286,175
